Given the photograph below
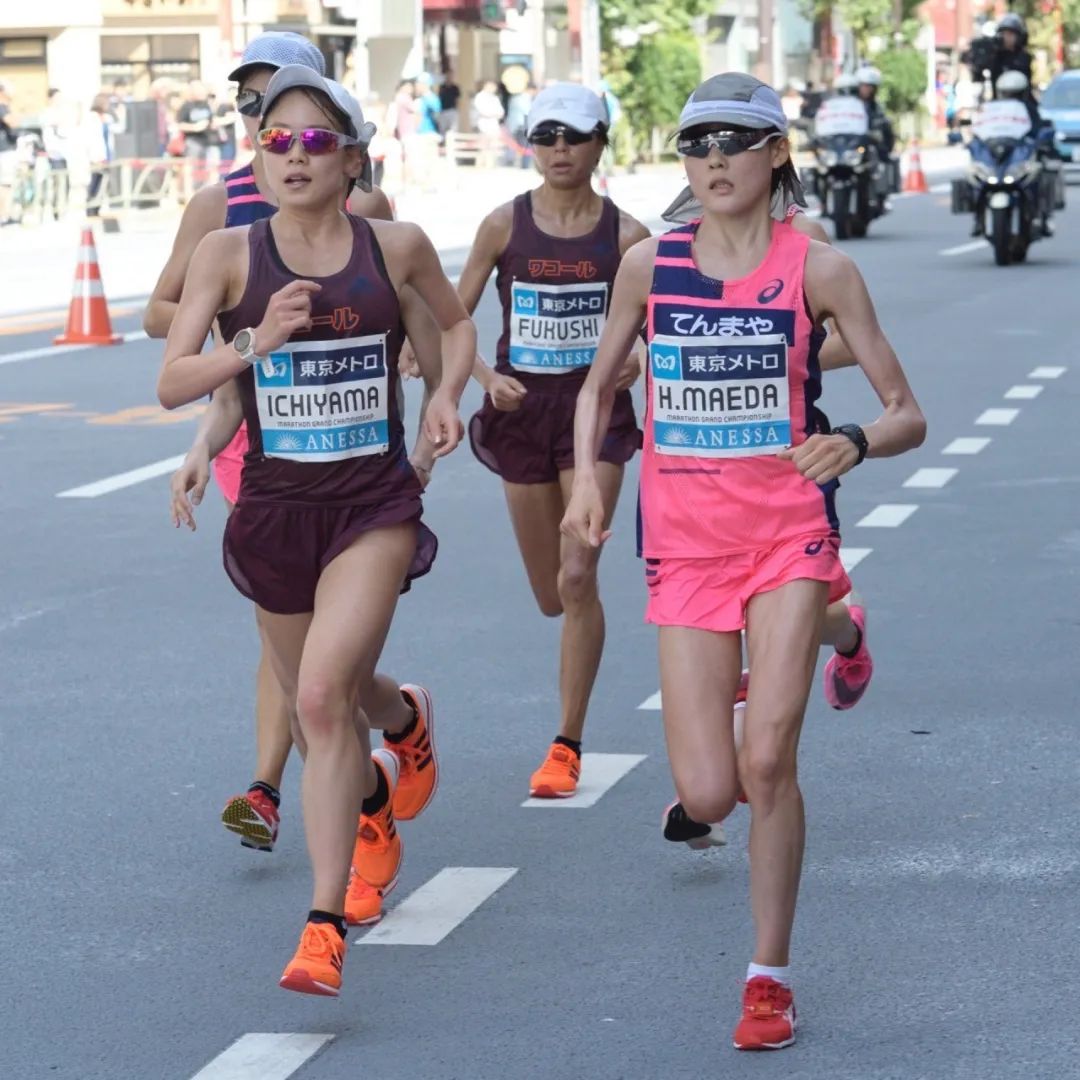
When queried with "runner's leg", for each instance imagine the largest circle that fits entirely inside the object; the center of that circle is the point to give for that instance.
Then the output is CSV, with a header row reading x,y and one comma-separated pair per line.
x,y
536,512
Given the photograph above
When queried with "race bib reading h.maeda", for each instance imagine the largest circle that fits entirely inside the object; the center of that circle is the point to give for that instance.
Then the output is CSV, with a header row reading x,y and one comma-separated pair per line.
x,y
326,401
720,396
555,328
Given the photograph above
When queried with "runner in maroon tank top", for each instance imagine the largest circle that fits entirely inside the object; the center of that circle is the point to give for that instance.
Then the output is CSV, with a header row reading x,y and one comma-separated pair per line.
x,y
557,250
327,530
242,198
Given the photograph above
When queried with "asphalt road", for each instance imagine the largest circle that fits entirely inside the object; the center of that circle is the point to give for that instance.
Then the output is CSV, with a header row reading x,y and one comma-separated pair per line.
x,y
937,929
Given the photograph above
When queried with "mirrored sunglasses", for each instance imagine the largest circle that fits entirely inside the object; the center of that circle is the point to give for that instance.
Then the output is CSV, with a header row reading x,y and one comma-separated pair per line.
x,y
549,136
249,102
729,143
315,141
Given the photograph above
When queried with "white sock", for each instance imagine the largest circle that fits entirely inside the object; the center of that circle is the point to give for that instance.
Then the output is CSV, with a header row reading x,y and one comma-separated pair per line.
x,y
781,974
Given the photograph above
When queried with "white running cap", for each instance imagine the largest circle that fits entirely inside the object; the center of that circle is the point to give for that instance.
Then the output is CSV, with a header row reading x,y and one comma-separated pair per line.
x,y
569,104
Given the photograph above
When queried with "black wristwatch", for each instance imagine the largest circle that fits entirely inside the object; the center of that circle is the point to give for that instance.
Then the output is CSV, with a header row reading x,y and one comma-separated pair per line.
x,y
856,435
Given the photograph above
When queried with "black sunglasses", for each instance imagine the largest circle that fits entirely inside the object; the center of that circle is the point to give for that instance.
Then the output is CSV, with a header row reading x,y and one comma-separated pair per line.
x,y
729,143
549,136
249,102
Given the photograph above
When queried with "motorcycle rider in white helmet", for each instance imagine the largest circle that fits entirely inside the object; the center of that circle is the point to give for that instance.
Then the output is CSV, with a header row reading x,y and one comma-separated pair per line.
x,y
1014,86
867,80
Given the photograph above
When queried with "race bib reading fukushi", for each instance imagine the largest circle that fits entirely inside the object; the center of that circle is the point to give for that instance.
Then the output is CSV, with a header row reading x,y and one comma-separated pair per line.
x,y
555,328
720,396
326,401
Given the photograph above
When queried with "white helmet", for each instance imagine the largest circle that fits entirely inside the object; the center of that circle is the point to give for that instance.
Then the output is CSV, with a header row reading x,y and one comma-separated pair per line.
x,y
1011,84
844,84
868,75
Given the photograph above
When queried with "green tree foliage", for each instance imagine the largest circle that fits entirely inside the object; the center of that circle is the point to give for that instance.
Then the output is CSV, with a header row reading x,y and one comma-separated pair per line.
x,y
1041,17
903,78
652,61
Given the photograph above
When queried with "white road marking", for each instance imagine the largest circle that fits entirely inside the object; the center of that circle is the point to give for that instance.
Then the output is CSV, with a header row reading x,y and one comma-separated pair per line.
x,y
887,516
998,417
930,478
940,189
966,446
439,906
1047,373
59,350
963,249
123,480
263,1057
851,557
652,702
599,774
1023,393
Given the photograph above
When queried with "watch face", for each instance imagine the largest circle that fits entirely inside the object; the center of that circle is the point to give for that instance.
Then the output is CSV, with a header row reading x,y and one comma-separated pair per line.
x,y
242,341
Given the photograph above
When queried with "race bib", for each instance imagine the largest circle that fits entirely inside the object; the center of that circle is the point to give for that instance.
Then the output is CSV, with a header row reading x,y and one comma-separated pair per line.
x,y
555,328
720,396
841,116
326,401
1001,120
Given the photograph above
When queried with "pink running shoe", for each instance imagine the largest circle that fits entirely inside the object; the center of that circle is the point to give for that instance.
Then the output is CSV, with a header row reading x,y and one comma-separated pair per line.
x,y
847,677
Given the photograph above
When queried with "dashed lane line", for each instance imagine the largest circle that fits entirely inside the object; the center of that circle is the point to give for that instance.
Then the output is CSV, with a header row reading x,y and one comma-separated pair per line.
x,y
887,516
438,907
1047,372
259,1056
930,478
122,480
1023,392
967,445
997,417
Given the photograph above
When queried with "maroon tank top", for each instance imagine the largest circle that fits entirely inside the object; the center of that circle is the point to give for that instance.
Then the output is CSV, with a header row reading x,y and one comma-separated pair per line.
x,y
326,427
555,292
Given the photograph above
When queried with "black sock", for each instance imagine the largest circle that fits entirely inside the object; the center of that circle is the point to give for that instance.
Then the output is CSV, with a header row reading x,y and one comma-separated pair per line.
x,y
375,802
858,644
336,921
408,729
268,790
574,744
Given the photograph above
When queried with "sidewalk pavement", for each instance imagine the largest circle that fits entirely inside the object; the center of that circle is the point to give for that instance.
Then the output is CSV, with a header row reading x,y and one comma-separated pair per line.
x,y
41,260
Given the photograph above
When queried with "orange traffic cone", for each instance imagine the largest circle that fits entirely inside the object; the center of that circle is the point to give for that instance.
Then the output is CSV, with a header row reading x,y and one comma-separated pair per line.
x,y
915,180
88,317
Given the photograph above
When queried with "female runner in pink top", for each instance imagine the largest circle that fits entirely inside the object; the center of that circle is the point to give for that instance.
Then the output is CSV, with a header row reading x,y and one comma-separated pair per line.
x,y
737,486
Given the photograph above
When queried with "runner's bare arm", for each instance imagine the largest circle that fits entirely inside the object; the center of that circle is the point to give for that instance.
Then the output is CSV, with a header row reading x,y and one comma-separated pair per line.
x,y
220,422
631,232
491,239
625,318
836,288
370,204
424,335
204,214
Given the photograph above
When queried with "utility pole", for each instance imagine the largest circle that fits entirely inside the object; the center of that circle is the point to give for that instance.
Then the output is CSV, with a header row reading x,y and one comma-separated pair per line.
x,y
766,18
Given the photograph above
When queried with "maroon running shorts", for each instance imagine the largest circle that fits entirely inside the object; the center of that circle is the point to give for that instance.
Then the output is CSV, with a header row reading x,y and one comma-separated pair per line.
x,y
535,443
275,554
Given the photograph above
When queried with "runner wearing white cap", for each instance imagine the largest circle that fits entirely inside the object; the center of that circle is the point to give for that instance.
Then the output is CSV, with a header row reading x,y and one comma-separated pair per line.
x,y
557,250
737,490
241,198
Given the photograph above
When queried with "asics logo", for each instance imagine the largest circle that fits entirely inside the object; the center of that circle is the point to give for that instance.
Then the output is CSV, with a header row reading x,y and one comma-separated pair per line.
x,y
814,548
771,291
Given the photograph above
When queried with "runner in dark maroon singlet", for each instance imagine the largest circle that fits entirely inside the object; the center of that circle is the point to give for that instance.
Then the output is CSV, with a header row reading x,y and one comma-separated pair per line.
x,y
557,250
327,530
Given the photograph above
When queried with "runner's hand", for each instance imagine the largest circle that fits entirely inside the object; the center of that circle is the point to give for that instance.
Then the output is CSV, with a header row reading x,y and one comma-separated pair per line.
x,y
408,365
442,424
192,477
823,457
584,518
505,392
630,372
289,311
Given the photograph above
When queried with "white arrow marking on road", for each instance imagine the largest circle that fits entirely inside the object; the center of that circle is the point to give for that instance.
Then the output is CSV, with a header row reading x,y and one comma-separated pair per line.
x,y
599,774
962,249
445,902
930,478
59,350
1023,393
998,417
966,446
887,516
263,1057
123,480
652,702
1047,373
851,557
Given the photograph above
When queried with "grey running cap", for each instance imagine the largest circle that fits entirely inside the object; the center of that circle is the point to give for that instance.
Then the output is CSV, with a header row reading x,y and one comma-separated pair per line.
x,y
734,98
278,49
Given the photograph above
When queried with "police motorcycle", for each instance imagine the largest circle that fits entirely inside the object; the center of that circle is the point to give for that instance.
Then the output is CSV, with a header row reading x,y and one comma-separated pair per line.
x,y
1008,187
848,173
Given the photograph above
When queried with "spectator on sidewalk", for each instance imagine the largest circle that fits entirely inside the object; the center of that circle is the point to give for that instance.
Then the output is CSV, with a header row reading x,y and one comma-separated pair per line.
x,y
56,136
517,112
449,97
488,111
9,158
100,150
196,120
428,106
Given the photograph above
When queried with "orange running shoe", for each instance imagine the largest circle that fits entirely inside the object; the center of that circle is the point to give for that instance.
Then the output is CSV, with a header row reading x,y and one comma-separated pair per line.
x,y
768,1021
558,777
419,777
254,818
363,902
377,853
316,967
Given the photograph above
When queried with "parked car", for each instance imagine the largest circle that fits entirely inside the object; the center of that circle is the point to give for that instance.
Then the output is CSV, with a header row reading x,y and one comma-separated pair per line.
x,y
1060,104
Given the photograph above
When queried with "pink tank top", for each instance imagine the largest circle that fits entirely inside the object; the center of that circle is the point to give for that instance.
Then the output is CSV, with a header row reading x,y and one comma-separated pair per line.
x,y
732,379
